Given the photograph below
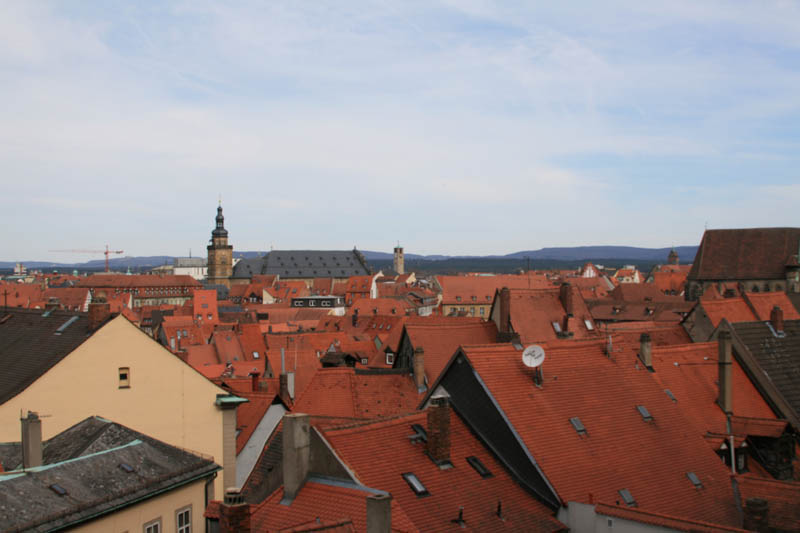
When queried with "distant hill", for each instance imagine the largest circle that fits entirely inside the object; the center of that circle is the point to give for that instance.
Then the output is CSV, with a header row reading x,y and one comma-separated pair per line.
x,y
607,254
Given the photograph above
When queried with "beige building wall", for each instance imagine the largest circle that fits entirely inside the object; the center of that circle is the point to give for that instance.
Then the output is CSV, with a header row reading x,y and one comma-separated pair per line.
x,y
132,519
167,399
469,308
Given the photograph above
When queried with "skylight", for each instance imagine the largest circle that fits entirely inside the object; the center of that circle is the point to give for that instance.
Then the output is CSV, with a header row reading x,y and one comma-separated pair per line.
x,y
415,484
578,425
556,327
65,325
479,467
126,467
645,413
695,480
671,396
58,489
627,498
419,433
589,324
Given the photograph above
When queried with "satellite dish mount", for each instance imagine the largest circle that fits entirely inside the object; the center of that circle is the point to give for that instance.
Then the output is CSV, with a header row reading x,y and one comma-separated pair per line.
x,y
533,357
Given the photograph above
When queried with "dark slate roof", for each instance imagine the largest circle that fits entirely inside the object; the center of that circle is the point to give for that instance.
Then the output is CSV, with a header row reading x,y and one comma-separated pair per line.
x,y
756,253
30,345
88,468
778,357
305,264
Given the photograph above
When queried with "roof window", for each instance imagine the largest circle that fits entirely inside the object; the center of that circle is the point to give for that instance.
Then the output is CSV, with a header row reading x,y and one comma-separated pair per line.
x,y
420,435
578,425
479,467
556,327
695,480
415,484
126,467
671,396
646,416
65,325
589,324
58,489
627,497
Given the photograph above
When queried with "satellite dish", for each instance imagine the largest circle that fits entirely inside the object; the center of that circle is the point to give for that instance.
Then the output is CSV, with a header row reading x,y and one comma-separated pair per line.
x,y
533,356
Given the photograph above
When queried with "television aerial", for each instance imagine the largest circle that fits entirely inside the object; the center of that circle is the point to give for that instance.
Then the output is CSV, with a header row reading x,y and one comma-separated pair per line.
x,y
533,356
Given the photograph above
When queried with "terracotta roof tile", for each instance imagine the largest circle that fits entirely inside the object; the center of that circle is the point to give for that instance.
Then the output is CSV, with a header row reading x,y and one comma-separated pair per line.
x,y
739,254
462,290
783,498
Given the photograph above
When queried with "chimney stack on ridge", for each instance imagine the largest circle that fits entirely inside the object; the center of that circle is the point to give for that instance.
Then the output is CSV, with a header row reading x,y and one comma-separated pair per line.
x,y
725,399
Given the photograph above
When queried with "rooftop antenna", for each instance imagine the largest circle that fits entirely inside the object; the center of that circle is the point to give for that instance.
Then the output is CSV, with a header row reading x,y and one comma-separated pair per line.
x,y
533,357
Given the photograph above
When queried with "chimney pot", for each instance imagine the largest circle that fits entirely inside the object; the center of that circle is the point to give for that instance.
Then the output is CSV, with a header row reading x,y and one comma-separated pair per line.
x,y
31,440
234,513
725,399
776,318
439,429
379,513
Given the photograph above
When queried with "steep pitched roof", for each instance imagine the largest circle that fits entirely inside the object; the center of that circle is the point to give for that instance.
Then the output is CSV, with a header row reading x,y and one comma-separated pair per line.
x,y
648,458
754,253
763,302
32,341
479,290
120,281
304,264
731,309
533,312
380,452
778,356
783,498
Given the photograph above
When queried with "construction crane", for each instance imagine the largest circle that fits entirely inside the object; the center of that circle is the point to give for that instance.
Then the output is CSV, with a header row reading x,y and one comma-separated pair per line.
x,y
106,252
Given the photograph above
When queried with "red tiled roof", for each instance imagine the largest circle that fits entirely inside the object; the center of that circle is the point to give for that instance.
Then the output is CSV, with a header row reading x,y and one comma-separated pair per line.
x,y
72,298
533,312
739,254
119,281
380,452
731,309
641,292
440,340
249,414
341,392
649,459
783,498
670,282
378,306
480,290
763,302
662,520
323,501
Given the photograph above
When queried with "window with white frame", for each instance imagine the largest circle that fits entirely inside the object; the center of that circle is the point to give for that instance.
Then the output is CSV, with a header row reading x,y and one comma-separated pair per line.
x,y
183,520
153,526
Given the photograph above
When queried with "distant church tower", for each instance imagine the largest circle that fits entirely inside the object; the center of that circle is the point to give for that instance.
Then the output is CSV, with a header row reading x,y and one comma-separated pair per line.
x,y
399,263
672,258
220,254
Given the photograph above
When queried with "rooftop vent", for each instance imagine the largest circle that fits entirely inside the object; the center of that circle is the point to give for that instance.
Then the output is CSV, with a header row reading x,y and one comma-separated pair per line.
x,y
646,416
627,497
578,425
695,480
415,484
479,467
126,467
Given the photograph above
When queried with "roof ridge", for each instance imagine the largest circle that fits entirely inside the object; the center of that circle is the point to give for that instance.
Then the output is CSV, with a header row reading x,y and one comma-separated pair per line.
x,y
666,516
377,423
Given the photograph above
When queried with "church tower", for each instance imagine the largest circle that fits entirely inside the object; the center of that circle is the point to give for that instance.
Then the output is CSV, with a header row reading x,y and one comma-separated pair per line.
x,y
220,254
672,258
399,262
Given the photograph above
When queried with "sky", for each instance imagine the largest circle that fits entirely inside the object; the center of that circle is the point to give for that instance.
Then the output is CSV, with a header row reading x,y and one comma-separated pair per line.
x,y
452,127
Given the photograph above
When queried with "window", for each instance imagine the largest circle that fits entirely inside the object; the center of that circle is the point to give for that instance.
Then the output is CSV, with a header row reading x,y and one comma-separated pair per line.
x,y
628,498
479,467
153,526
578,425
646,416
124,377
389,358
556,327
458,298
695,480
483,311
255,355
183,520
416,485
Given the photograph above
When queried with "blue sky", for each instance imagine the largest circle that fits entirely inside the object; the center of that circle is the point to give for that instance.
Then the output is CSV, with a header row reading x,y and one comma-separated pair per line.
x,y
457,127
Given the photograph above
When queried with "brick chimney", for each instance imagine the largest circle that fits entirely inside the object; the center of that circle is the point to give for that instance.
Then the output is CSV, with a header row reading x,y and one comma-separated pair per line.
x,y
31,440
254,375
725,399
646,350
505,310
756,515
99,311
234,513
419,368
565,296
379,513
355,318
296,453
776,318
439,429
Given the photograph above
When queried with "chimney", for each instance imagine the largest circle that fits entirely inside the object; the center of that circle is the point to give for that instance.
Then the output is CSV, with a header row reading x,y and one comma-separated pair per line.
x,y
283,387
254,380
296,453
355,317
565,295
31,440
725,399
99,311
646,350
234,513
379,513
756,515
419,368
776,317
439,429
505,310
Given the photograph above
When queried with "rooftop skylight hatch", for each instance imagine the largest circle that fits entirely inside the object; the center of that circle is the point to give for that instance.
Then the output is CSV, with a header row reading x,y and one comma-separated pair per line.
x,y
420,435
646,416
479,467
415,484
627,497
695,480
578,425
